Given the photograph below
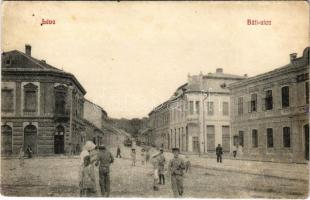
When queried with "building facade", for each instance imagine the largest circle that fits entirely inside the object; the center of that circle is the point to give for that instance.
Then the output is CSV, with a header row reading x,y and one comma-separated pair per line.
x,y
41,106
270,118
196,118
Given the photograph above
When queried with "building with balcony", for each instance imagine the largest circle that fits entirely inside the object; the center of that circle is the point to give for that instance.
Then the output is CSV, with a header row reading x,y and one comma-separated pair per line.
x,y
41,106
196,118
270,113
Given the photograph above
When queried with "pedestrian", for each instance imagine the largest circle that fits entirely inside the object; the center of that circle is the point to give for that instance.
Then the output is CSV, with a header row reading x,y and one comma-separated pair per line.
x,y
219,153
234,149
187,164
21,156
161,167
147,156
88,184
176,167
142,156
118,152
105,159
155,162
29,151
133,157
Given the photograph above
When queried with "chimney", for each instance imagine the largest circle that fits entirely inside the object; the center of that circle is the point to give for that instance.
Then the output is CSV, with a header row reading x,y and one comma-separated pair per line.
x,y
293,56
219,70
28,49
43,61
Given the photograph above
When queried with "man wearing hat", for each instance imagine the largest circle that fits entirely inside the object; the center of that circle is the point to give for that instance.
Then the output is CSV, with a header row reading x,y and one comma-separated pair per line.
x,y
105,159
161,167
176,167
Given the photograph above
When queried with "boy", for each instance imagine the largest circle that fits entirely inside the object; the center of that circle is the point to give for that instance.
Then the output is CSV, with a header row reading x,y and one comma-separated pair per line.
x,y
88,184
176,167
133,157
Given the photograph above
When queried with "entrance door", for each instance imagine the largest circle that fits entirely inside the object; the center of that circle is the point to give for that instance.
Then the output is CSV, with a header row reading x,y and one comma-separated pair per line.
x,y
306,131
30,138
195,144
6,140
59,140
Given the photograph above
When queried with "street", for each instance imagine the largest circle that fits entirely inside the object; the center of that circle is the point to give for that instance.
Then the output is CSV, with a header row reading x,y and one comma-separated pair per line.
x,y
58,176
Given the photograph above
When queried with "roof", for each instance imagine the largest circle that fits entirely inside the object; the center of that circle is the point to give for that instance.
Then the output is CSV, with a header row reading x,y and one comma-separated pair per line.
x,y
23,63
223,75
296,64
96,105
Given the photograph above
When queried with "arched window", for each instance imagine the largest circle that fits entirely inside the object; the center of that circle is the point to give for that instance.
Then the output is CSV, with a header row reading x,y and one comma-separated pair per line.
x,y
30,137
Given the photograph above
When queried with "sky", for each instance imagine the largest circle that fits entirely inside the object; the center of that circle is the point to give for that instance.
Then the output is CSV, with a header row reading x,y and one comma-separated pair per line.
x,y
131,56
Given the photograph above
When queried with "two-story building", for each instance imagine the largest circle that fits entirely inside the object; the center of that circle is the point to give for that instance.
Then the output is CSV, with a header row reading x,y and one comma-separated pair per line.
x,y
270,113
198,114
41,106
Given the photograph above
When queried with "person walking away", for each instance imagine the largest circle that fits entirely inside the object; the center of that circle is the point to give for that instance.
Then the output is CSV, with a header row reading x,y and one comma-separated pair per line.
x,y
147,156
219,153
234,149
118,152
88,179
21,156
133,157
155,162
175,169
142,156
29,151
105,159
161,167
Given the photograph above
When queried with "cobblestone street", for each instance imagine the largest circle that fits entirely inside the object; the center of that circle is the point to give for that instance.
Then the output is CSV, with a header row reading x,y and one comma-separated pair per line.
x,y
58,176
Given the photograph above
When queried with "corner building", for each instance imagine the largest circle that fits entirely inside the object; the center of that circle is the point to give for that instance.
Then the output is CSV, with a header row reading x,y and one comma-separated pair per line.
x,y
196,118
41,106
270,118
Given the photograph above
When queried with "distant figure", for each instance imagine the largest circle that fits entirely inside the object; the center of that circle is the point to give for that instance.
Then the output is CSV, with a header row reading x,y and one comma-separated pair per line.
x,y
21,156
147,156
234,149
133,157
155,162
219,153
105,159
29,151
118,152
187,164
88,184
161,167
142,156
175,168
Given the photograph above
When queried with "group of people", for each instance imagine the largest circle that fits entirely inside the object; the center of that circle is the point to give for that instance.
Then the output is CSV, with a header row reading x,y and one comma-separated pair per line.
x,y
145,156
95,171
29,153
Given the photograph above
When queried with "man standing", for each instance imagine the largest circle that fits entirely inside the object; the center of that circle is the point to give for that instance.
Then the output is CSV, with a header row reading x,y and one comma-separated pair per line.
x,y
118,152
161,167
105,159
219,152
176,167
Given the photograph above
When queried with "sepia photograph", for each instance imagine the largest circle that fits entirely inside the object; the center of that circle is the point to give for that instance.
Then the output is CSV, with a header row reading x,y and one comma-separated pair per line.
x,y
155,99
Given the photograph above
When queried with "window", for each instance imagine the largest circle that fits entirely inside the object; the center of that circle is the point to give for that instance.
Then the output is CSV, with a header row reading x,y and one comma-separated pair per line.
x,y
60,102
286,137
30,97
269,137
253,103
197,107
240,138
7,100
285,96
268,100
225,108
254,138
236,140
307,92
210,108
191,107
240,105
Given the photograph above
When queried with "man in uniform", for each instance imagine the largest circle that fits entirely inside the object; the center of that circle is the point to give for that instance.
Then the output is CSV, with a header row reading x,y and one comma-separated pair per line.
x,y
219,152
176,167
105,159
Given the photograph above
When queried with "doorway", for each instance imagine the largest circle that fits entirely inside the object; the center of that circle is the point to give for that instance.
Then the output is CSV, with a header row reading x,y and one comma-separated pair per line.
x,y
30,138
59,140
306,132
